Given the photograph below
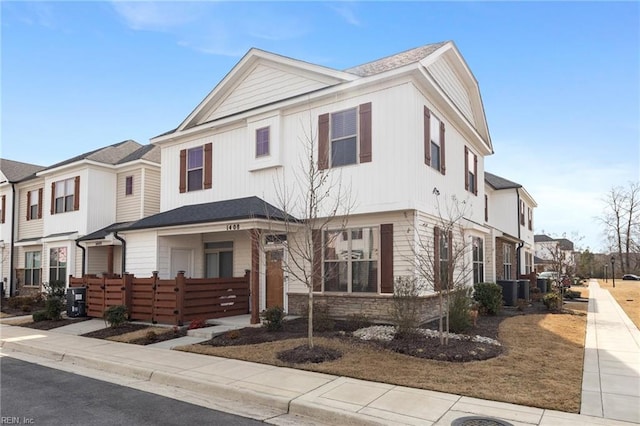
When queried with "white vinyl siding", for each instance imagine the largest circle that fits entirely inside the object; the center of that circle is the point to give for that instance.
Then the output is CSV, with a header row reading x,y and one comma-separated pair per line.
x,y
151,192
128,206
449,81
29,228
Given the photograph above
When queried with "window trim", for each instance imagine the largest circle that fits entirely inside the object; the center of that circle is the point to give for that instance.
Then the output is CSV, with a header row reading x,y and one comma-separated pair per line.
x,y
128,185
267,130
3,208
477,259
468,185
507,266
28,272
363,137
429,141
57,267
55,196
350,260
207,168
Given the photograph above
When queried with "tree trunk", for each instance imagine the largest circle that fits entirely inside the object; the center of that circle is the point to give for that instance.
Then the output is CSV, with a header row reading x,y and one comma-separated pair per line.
x,y
310,325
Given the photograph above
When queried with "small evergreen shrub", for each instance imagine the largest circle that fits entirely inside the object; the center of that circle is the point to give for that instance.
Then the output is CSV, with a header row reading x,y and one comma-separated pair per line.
x,y
459,307
405,309
55,288
322,321
54,307
570,294
116,315
39,316
552,301
272,318
489,295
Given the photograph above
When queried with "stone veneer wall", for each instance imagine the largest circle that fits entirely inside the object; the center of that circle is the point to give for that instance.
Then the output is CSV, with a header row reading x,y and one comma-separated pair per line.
x,y
374,307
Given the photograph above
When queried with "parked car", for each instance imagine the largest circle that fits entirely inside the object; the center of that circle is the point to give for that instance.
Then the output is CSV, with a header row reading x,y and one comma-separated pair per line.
x,y
630,277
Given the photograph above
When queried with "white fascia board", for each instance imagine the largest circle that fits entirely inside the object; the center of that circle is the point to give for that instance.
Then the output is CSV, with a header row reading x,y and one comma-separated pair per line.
x,y
474,226
434,88
78,164
212,227
528,197
137,164
250,59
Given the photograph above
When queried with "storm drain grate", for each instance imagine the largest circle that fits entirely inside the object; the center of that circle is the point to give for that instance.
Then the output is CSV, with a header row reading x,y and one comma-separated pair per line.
x,y
479,421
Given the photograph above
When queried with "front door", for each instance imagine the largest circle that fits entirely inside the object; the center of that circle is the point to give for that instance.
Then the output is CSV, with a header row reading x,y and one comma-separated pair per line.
x,y
275,278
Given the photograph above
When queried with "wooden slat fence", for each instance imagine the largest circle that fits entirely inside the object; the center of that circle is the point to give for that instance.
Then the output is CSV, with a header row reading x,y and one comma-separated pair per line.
x,y
172,301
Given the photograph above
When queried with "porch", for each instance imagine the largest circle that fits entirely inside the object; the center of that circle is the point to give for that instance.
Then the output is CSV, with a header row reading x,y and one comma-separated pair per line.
x,y
168,301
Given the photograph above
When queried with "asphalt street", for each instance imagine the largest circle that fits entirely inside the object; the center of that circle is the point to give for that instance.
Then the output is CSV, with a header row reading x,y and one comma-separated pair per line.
x,y
38,395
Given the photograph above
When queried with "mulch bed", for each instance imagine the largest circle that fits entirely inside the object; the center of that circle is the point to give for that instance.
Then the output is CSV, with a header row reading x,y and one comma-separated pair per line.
x,y
51,324
129,327
414,345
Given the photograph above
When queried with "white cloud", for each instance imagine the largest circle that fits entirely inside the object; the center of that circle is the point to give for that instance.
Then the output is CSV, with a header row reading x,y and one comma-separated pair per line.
x,y
346,11
156,16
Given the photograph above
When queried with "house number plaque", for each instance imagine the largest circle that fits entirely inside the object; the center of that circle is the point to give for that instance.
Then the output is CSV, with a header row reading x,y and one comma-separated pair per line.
x,y
233,227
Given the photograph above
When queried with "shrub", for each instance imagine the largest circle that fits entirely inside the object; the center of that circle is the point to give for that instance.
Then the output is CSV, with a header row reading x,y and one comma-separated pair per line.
x,y
536,294
322,321
459,307
26,308
197,323
232,334
151,336
116,315
54,307
552,301
357,321
272,318
405,309
521,304
19,302
55,289
39,316
489,295
570,294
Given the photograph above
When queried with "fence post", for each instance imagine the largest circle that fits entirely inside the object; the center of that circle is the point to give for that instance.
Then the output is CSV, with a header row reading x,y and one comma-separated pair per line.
x,y
180,293
254,285
127,283
247,280
153,296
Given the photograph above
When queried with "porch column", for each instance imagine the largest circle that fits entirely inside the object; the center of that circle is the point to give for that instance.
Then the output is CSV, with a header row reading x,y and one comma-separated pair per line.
x,y
255,276
110,261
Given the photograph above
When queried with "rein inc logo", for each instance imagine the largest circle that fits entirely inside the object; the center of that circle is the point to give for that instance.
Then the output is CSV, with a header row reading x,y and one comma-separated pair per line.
x,y
8,420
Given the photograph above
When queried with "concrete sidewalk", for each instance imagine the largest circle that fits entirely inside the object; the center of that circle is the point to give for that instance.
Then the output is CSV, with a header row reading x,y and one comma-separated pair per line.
x,y
611,375
272,394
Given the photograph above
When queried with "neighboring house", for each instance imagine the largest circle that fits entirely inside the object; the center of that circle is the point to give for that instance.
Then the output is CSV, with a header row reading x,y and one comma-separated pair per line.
x,y
73,198
406,133
509,212
554,253
13,174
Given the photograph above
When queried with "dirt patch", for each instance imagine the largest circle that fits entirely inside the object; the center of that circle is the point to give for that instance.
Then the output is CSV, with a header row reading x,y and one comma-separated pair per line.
x,y
304,354
48,324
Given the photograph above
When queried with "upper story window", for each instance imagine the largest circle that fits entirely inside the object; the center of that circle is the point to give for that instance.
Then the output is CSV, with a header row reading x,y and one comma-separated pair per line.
x,y
530,218
486,208
434,142
344,137
262,142
128,185
521,212
195,168
34,204
3,200
351,260
471,171
65,195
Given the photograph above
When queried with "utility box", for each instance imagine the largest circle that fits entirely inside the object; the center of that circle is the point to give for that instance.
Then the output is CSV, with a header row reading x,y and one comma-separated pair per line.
x,y
523,290
76,302
542,285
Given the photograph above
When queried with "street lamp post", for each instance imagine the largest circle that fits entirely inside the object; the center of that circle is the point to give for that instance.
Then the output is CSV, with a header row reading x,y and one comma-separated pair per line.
x,y
613,270
605,272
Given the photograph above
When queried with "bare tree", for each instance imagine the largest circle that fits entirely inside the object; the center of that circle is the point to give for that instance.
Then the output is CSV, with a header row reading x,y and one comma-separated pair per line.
x,y
316,202
439,256
621,223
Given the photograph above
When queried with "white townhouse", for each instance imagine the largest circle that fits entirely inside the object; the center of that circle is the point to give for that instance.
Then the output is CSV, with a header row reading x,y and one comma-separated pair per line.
x,y
58,205
554,252
509,213
404,133
13,176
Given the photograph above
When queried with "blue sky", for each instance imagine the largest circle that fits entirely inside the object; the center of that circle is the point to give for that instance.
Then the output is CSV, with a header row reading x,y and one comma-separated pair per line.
x,y
560,81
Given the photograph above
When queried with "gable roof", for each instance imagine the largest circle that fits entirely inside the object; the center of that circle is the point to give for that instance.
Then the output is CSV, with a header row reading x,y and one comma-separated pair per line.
x,y
110,154
563,243
395,61
150,152
217,211
498,182
16,171
541,238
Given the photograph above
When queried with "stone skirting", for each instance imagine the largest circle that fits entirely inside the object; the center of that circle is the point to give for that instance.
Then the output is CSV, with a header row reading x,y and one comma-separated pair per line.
x,y
376,307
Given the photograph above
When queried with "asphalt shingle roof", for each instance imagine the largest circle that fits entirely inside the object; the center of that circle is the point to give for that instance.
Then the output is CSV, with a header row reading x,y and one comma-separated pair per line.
x,y
218,211
498,182
15,171
102,233
394,61
111,154
146,152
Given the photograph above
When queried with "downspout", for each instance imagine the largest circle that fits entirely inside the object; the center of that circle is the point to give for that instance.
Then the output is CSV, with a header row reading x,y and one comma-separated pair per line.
x,y
124,251
518,261
12,277
84,256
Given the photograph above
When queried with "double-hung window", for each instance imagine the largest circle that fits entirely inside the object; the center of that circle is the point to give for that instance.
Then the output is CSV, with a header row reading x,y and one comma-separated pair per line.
x,y
128,185
32,265
195,168
58,264
3,201
506,263
262,142
33,204
478,259
351,260
530,218
471,171
434,141
344,137
65,195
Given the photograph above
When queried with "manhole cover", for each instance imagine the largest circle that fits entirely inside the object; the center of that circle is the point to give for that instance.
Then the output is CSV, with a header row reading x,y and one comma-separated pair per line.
x,y
479,421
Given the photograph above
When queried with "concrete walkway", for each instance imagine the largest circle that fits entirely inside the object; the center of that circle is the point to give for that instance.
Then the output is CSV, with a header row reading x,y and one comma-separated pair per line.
x,y
611,378
276,395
